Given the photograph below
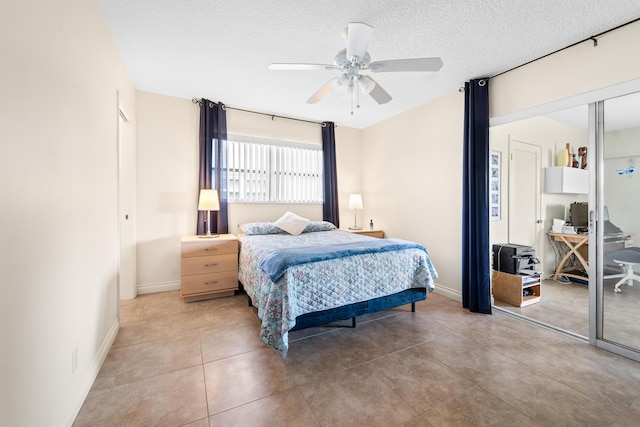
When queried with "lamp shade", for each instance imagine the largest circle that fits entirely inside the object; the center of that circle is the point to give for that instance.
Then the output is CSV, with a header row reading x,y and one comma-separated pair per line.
x,y
355,201
208,200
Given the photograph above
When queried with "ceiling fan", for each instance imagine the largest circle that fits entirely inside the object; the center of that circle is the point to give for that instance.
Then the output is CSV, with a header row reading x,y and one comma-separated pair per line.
x,y
353,61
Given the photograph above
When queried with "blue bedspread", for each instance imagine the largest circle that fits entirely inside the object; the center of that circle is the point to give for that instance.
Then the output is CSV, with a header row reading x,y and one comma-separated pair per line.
x,y
277,262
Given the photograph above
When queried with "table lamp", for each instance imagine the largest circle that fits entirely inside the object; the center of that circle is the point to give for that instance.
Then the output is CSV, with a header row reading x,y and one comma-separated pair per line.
x,y
355,203
208,202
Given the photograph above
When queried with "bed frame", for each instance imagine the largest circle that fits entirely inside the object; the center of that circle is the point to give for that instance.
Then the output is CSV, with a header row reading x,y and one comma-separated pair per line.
x,y
351,311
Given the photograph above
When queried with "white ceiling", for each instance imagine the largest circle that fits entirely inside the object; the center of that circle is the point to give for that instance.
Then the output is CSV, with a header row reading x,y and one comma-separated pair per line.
x,y
220,50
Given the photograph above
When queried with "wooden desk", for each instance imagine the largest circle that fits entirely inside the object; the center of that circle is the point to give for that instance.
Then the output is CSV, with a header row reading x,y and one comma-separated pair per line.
x,y
577,244
573,243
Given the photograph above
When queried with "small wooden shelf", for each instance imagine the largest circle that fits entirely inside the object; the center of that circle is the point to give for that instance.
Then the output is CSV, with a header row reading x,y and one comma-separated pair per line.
x,y
510,288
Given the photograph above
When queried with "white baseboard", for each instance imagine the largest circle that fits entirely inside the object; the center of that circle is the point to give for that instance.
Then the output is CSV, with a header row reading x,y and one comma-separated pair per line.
x,y
90,376
151,288
448,292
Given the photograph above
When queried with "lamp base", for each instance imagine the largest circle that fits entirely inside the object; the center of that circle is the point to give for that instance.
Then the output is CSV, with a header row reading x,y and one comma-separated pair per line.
x,y
355,228
208,236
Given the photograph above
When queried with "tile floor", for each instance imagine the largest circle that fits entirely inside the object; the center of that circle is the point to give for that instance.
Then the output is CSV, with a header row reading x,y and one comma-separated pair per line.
x,y
202,364
566,306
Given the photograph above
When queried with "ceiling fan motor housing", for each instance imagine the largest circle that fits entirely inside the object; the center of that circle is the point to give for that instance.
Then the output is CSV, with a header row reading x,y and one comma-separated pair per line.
x,y
344,63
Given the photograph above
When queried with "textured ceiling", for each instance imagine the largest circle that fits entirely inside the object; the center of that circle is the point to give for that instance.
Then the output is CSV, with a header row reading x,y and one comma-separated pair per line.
x,y
220,50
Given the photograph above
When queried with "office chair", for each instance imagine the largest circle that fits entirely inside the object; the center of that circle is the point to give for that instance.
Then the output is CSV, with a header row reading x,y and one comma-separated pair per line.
x,y
626,258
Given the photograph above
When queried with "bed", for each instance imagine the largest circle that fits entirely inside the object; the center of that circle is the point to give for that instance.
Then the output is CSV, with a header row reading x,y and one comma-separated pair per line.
x,y
341,275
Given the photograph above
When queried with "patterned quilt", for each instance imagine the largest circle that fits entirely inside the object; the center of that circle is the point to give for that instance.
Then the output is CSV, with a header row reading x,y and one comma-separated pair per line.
x,y
323,285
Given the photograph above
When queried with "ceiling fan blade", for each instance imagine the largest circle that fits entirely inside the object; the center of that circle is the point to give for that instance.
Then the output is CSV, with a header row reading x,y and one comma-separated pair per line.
x,y
322,92
380,95
301,67
358,38
414,64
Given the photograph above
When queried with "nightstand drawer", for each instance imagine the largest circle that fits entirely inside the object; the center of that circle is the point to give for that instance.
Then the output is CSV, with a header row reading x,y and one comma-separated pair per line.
x,y
209,264
200,283
209,247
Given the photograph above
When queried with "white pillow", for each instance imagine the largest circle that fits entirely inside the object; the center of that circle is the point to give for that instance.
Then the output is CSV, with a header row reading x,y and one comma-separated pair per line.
x,y
292,223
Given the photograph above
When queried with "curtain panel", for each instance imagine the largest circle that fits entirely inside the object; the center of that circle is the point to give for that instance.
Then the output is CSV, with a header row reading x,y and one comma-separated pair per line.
x,y
476,270
213,158
330,211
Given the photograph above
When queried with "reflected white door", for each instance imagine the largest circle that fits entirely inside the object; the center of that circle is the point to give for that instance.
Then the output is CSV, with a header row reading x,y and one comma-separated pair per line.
x,y
524,193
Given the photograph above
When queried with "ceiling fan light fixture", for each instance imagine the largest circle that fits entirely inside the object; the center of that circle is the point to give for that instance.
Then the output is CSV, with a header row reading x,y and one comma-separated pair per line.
x,y
341,83
366,84
348,93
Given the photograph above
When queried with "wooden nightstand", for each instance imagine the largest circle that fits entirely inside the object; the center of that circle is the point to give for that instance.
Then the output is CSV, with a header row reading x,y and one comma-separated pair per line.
x,y
366,232
208,267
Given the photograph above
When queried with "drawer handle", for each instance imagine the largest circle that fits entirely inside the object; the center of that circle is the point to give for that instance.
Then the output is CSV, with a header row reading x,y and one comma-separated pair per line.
x,y
211,283
211,265
211,249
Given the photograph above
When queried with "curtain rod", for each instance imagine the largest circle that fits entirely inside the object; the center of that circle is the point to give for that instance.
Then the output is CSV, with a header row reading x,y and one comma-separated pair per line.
x,y
592,38
197,101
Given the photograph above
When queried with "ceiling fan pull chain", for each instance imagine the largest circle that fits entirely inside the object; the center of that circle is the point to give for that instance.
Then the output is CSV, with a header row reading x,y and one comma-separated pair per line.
x,y
352,101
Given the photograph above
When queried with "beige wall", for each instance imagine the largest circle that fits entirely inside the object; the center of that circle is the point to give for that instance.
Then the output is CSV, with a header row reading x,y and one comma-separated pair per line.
x,y
61,75
577,70
412,181
167,179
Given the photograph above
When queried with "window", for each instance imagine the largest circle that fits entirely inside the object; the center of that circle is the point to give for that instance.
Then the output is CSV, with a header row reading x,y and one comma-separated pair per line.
x,y
273,171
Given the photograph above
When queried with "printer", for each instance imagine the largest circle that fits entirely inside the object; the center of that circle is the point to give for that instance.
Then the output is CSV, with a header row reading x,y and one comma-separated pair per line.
x,y
514,259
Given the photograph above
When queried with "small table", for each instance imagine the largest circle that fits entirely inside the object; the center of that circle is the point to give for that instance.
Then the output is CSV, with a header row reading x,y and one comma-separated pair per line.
x,y
573,243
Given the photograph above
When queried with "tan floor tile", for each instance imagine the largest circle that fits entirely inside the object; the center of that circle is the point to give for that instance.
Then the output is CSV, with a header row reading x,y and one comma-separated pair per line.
x,y
159,327
95,408
629,416
474,359
164,303
227,341
225,312
356,397
241,379
547,401
475,407
200,423
569,363
418,379
312,359
176,399
158,357
453,316
283,409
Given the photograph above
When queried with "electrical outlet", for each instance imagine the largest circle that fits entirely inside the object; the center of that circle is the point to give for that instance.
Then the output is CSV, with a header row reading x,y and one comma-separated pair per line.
x,y
74,360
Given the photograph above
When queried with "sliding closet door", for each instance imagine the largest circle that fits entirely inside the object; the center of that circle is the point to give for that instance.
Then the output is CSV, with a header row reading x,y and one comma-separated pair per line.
x,y
616,140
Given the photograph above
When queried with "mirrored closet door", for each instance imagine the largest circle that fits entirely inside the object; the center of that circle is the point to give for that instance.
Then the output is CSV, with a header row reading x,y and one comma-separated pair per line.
x,y
617,232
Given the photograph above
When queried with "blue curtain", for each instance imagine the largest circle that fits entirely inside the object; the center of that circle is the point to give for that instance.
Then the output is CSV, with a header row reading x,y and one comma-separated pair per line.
x,y
476,270
330,211
213,162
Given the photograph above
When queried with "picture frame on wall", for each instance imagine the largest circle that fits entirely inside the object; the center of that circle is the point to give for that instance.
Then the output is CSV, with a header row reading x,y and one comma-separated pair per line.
x,y
494,185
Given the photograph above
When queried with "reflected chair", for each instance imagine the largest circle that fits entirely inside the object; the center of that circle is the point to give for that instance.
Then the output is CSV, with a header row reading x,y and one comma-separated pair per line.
x,y
627,258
